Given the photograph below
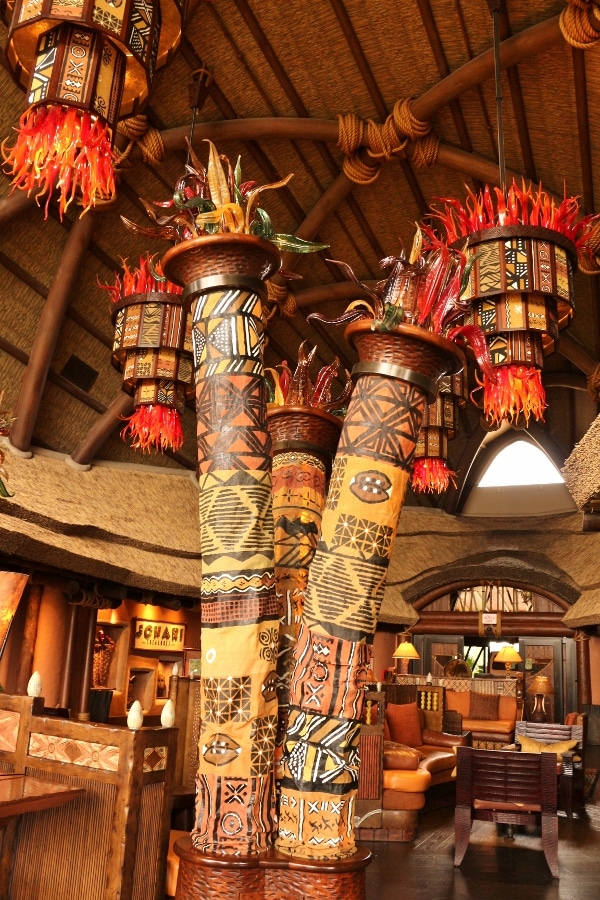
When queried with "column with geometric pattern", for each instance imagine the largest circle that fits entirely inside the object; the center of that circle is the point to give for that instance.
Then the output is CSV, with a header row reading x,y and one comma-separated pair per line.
x,y
239,607
396,376
304,442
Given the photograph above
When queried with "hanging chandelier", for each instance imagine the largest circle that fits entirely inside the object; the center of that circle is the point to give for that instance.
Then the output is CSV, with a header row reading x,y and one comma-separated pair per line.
x,y
83,65
430,470
523,247
153,350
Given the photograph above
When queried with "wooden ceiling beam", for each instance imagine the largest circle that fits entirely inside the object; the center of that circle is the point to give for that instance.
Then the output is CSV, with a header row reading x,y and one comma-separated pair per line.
x,y
437,49
102,429
376,96
59,380
527,43
301,110
27,278
12,205
49,325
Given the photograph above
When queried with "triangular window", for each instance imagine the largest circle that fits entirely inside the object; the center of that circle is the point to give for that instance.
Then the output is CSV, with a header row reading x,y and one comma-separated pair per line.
x,y
520,462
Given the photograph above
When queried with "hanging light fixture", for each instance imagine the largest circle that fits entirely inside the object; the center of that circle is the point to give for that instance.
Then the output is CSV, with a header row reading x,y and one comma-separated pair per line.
x,y
83,66
153,349
430,469
524,248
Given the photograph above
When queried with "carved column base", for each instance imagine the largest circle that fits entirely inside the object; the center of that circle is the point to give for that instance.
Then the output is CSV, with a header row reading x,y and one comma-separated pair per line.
x,y
267,876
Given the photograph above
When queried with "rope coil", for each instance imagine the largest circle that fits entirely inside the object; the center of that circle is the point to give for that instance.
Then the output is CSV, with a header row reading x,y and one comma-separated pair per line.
x,y
137,130
384,142
580,23
284,302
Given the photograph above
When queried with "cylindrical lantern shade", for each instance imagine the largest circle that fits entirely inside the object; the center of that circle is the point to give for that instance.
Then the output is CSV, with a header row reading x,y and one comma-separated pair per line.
x,y
83,65
521,285
430,470
79,67
153,349
144,32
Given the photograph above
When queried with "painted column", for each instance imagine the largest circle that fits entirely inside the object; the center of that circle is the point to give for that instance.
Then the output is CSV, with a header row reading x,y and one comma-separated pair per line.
x,y
304,442
239,608
396,376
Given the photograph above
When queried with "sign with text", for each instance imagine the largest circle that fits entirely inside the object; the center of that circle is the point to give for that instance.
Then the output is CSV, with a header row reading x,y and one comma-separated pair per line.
x,y
158,636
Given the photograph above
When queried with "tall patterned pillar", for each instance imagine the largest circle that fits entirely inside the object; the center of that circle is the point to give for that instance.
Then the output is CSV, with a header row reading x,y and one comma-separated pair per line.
x,y
304,443
223,275
395,377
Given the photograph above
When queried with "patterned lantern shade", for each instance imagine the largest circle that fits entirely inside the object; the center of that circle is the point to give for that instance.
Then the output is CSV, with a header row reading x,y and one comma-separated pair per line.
x,y
153,349
83,65
522,288
430,471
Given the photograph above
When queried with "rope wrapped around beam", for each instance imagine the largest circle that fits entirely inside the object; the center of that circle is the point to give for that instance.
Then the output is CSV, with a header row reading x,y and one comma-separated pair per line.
x,y
580,23
283,301
589,262
384,142
137,130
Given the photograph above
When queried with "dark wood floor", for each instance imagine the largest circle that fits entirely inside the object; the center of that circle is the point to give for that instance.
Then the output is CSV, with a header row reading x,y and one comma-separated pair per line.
x,y
494,868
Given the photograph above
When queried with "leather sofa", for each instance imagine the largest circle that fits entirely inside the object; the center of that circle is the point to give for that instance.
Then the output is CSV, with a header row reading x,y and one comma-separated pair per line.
x,y
490,718
415,759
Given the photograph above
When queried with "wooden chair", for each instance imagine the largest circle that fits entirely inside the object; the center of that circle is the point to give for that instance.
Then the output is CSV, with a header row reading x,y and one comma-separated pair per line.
x,y
508,788
571,762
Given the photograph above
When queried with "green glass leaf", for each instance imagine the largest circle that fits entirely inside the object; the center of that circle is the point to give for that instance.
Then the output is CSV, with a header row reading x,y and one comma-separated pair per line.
x,y
262,225
293,244
4,492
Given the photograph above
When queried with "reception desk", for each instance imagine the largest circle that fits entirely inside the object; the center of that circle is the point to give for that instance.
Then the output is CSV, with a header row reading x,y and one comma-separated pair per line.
x,y
110,843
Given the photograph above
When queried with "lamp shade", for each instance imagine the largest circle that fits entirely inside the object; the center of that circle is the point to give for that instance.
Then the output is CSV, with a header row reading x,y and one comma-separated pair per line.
x,y
540,685
406,650
508,655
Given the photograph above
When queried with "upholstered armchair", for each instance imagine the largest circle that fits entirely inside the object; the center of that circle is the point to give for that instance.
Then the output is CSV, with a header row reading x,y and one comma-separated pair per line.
x,y
509,788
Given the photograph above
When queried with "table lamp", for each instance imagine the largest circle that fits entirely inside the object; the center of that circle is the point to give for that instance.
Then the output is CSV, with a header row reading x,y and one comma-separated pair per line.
x,y
508,655
540,686
406,651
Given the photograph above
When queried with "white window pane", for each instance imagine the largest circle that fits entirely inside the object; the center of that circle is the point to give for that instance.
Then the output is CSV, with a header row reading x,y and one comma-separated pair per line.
x,y
520,463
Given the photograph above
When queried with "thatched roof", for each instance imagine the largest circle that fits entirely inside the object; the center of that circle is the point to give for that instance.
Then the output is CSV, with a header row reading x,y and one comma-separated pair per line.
x,y
582,469
134,527
433,549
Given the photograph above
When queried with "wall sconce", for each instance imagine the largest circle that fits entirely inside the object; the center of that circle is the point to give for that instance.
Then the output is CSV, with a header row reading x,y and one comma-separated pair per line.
x,y
540,686
508,655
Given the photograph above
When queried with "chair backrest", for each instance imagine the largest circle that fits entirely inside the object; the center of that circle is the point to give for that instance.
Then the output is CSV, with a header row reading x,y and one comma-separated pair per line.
x,y
502,776
552,733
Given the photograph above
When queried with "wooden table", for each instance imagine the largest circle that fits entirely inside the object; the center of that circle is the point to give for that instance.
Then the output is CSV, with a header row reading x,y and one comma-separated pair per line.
x,y
22,794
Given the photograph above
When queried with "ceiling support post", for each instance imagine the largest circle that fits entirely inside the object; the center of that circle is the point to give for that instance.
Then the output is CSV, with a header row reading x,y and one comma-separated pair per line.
x,y
49,325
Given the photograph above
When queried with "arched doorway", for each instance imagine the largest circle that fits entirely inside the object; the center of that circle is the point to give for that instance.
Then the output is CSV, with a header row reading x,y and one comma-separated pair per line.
x,y
472,620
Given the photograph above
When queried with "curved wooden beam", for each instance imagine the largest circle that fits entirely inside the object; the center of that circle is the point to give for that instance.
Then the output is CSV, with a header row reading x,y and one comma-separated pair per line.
x,y
49,325
327,203
576,354
13,205
102,429
569,380
527,43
